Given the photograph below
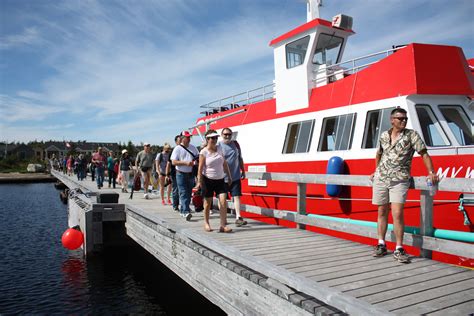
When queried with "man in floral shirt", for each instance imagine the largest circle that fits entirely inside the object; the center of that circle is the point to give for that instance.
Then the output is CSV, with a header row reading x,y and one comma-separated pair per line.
x,y
391,178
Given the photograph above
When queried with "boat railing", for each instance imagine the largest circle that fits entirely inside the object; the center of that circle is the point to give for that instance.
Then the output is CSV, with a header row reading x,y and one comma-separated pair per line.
x,y
340,70
241,99
422,237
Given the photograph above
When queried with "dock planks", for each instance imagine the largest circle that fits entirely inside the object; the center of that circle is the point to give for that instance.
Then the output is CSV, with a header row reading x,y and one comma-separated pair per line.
x,y
305,268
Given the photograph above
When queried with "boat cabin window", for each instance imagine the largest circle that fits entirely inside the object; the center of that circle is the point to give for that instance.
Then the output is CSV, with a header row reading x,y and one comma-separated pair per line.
x,y
377,122
296,51
433,133
327,50
298,137
459,123
337,133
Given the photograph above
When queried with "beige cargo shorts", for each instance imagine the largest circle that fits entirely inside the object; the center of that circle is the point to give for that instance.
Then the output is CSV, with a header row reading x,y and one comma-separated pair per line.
x,y
393,192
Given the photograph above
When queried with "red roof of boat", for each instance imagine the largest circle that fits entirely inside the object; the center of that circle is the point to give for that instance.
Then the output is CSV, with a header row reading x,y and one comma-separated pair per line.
x,y
303,28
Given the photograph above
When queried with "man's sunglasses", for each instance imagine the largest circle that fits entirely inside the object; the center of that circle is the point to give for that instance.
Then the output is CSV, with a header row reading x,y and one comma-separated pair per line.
x,y
401,118
227,134
213,138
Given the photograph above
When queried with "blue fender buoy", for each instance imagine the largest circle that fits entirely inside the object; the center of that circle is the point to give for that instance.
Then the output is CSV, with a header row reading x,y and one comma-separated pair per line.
x,y
335,166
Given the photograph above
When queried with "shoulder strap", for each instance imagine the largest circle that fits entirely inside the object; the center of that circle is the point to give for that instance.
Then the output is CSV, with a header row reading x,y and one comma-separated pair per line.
x,y
194,156
238,148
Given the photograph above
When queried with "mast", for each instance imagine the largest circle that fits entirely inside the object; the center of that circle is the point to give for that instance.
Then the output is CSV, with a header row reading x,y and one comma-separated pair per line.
x,y
312,11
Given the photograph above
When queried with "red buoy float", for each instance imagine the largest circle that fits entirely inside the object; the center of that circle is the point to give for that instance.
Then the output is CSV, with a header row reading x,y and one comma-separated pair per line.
x,y
72,238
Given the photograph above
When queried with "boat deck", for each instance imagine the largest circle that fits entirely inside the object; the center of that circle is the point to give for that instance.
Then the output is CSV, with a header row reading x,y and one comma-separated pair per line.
x,y
301,267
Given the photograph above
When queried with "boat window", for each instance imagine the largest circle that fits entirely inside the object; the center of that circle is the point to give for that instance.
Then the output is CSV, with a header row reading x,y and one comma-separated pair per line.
x,y
296,51
433,133
461,126
377,122
337,133
298,137
327,50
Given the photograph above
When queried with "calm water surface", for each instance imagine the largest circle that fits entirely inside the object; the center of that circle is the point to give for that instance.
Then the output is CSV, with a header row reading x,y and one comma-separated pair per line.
x,y
37,275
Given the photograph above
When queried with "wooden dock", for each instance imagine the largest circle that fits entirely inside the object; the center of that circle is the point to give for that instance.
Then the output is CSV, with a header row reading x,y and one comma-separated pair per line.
x,y
262,269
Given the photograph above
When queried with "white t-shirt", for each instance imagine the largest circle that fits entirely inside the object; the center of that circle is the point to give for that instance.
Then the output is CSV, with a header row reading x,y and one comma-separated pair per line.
x,y
180,154
214,166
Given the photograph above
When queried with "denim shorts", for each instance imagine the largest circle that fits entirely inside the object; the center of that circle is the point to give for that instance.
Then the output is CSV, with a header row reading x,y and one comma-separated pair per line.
x,y
235,188
393,192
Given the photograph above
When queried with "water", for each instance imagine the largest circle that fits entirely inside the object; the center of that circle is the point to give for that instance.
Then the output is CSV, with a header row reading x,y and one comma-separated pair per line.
x,y
37,275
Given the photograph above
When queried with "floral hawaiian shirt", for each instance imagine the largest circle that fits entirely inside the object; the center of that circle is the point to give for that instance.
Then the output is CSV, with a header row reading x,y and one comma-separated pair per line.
x,y
395,161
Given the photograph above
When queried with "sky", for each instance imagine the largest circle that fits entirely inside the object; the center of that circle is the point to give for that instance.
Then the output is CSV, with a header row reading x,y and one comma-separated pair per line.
x,y
120,70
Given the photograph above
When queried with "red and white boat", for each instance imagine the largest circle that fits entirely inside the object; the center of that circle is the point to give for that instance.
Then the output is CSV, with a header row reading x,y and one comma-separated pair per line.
x,y
319,107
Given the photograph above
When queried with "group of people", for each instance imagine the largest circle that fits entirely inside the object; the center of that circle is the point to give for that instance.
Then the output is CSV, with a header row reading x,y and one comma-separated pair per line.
x,y
216,170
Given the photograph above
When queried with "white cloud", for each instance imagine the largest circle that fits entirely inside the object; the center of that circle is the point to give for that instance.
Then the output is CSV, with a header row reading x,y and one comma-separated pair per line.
x,y
28,36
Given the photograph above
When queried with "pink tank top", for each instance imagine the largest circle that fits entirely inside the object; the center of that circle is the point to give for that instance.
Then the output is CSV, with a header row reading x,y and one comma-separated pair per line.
x,y
214,166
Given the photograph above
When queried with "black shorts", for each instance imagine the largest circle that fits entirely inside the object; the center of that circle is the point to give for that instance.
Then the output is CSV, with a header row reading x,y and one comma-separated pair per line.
x,y
210,186
235,188
145,169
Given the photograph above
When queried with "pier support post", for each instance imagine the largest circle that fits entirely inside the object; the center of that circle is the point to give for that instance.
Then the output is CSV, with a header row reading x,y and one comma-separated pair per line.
x,y
301,202
426,220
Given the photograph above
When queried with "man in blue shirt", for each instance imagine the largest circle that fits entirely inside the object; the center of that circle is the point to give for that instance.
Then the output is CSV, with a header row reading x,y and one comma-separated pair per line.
x,y
233,155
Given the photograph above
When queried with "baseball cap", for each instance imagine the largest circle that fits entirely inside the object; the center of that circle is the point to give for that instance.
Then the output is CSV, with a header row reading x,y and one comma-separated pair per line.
x,y
186,134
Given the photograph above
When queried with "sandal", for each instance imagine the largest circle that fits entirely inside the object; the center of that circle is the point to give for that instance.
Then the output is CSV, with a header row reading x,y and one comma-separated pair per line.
x,y
225,229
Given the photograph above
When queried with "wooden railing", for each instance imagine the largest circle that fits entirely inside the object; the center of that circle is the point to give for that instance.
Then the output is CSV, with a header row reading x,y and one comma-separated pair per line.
x,y
424,240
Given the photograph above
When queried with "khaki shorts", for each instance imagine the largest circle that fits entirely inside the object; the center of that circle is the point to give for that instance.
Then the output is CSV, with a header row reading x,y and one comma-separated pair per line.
x,y
394,192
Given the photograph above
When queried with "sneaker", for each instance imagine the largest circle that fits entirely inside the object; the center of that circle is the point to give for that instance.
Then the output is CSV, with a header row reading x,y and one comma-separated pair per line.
x,y
188,216
240,222
380,250
401,256
176,209
169,202
146,196
163,202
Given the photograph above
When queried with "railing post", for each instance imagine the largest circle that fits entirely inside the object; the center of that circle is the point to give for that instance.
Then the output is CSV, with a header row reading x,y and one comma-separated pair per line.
x,y
301,202
426,220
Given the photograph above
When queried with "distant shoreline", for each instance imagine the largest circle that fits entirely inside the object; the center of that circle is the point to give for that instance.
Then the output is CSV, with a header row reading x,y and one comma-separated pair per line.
x,y
16,177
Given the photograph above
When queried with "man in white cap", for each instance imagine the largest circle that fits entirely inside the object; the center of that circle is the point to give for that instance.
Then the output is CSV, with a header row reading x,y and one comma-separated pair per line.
x,y
184,157
144,163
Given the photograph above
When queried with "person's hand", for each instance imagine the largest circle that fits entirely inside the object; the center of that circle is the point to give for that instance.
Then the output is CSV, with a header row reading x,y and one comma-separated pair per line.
x,y
190,163
229,181
433,177
198,185
371,177
242,175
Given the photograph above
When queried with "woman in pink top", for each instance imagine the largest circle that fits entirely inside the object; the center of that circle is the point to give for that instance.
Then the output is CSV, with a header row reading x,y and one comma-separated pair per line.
x,y
212,166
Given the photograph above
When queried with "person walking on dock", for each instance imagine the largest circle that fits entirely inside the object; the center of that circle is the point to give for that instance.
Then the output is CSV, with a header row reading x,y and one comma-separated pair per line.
x,y
391,178
233,156
124,169
81,167
99,160
171,169
212,170
161,164
144,163
111,169
184,157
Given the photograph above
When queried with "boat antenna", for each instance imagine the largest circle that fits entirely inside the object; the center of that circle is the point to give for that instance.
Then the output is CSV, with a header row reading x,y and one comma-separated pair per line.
x,y
313,9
